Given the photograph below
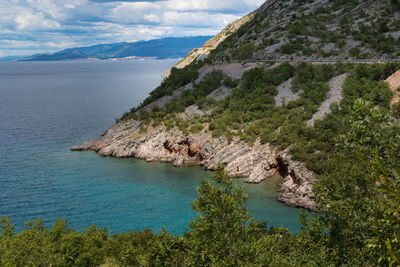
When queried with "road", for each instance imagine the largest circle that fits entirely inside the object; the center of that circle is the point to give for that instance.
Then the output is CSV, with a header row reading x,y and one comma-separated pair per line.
x,y
317,60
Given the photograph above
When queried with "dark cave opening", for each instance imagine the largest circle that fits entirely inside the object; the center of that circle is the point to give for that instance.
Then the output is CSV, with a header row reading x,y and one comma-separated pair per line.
x,y
281,167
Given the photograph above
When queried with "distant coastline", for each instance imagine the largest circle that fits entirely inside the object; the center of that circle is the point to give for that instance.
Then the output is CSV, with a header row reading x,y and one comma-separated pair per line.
x,y
131,58
166,48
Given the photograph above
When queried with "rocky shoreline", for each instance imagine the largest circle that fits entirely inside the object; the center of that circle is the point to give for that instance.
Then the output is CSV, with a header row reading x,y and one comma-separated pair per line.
x,y
257,162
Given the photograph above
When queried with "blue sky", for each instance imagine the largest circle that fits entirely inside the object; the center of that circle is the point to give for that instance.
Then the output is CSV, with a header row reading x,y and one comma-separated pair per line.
x,y
36,26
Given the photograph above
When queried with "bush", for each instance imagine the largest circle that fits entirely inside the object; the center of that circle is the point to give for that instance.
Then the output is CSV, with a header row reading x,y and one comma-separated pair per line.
x,y
245,51
143,130
396,110
197,128
355,52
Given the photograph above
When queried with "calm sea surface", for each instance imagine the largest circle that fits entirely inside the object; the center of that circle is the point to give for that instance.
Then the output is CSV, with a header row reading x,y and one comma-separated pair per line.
x,y
47,107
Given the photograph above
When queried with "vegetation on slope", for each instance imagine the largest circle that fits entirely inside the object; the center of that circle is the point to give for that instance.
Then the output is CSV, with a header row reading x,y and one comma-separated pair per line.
x,y
304,29
250,111
296,29
355,149
360,225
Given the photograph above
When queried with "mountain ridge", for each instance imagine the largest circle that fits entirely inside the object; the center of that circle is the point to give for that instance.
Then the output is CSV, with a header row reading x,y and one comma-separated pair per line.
x,y
320,29
170,47
258,104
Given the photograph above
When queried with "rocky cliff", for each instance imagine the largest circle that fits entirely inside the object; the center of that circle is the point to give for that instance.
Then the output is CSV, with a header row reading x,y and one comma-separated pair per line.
x,y
316,29
330,29
292,105
210,45
394,84
257,162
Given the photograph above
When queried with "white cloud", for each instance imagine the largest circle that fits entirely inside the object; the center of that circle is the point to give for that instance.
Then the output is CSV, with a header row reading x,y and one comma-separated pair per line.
x,y
61,45
18,44
197,19
151,18
37,25
27,20
212,5
172,13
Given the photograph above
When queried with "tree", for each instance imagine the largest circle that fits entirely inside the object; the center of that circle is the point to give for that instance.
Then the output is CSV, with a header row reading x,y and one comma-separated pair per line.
x,y
223,226
359,194
245,51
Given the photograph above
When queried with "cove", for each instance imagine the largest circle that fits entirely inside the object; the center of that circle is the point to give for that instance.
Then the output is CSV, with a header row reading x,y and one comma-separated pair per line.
x,y
47,107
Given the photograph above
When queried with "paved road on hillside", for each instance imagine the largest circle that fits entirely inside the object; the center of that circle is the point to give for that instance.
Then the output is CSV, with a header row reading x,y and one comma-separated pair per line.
x,y
318,60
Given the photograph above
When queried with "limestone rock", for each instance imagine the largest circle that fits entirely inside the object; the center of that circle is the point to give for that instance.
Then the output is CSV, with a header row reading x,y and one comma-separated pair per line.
x,y
257,162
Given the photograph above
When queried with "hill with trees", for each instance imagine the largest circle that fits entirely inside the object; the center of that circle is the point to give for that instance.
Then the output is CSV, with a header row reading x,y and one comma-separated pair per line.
x,y
360,224
331,130
303,29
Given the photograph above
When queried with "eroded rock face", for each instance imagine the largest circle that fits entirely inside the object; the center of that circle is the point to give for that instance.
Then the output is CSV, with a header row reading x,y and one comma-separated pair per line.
x,y
204,51
335,95
257,162
394,84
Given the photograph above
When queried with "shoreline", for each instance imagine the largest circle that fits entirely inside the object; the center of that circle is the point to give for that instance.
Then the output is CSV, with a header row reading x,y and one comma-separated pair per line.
x,y
254,163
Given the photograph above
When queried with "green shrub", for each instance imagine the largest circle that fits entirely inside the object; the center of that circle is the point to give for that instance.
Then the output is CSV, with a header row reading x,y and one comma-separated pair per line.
x,y
143,130
197,128
245,51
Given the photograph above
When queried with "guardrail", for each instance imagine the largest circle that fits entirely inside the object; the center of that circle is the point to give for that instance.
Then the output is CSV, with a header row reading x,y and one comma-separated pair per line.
x,y
316,60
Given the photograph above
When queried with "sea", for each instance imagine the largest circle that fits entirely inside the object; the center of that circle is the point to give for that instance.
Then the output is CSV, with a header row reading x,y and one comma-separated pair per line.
x,y
48,107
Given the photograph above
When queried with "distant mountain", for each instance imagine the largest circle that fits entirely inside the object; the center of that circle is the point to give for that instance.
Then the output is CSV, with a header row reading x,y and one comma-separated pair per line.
x,y
172,47
8,58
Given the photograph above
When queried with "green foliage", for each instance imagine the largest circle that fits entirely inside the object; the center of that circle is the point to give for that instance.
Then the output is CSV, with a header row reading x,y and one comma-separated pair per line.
x,y
177,79
366,82
395,3
359,226
293,47
143,130
197,128
245,51
359,210
312,81
336,22
60,245
182,125
355,52
231,83
396,110
223,226
249,113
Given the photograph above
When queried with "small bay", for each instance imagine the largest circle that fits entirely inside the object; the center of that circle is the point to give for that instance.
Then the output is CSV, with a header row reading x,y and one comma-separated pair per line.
x,y
47,107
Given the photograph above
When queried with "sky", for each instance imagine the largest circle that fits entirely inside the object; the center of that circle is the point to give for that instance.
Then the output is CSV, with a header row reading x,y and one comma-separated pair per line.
x,y
37,26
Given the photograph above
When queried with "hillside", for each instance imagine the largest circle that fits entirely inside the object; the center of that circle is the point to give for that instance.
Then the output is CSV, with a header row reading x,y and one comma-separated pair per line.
x,y
262,118
330,129
173,47
302,29
213,43
307,30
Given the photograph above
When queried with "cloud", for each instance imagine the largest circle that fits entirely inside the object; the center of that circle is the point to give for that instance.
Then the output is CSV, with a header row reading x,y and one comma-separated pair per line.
x,y
27,20
151,18
235,6
198,19
30,26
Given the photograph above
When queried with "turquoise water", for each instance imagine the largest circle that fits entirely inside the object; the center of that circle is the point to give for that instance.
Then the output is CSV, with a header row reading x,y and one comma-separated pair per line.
x,y
47,107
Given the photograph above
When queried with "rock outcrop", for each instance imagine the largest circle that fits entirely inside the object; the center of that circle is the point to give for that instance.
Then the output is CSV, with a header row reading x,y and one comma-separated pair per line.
x,y
232,70
394,85
334,96
285,93
257,162
204,51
